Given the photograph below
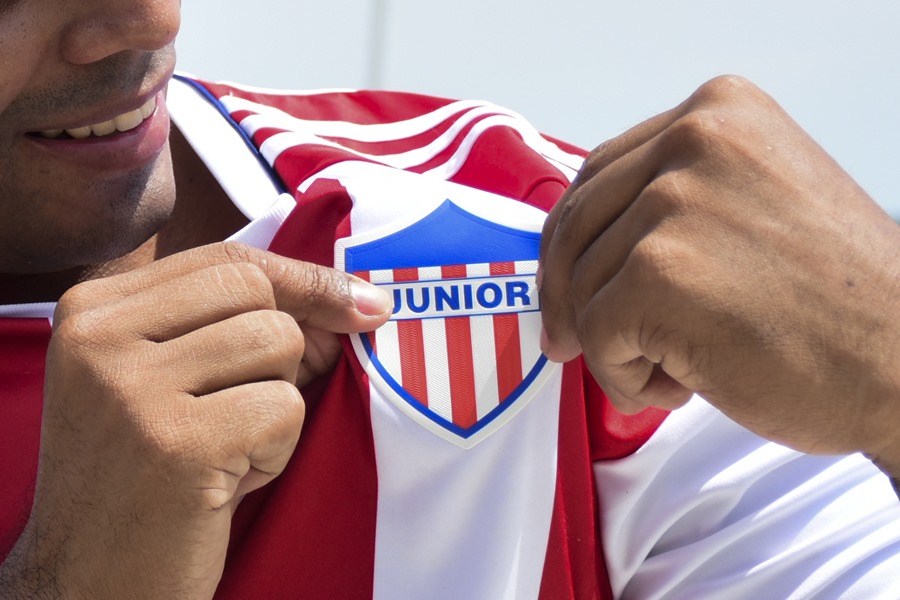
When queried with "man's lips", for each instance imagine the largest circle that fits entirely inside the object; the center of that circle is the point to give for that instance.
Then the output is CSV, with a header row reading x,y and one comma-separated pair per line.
x,y
123,122
127,141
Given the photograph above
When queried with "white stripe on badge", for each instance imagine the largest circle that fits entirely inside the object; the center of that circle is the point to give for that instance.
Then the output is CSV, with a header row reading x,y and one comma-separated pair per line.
x,y
487,385
437,368
387,341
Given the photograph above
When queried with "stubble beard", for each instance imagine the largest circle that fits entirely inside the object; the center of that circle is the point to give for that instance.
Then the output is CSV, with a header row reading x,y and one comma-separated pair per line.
x,y
124,215
53,217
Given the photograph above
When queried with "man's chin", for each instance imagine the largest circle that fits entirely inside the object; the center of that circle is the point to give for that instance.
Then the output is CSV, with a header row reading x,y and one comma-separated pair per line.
x,y
115,246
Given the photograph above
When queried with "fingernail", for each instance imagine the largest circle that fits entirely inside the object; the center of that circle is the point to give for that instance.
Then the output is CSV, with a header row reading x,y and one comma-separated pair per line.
x,y
539,276
545,341
370,299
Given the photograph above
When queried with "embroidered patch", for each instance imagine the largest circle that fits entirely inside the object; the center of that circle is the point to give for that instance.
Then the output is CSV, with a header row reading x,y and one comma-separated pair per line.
x,y
460,354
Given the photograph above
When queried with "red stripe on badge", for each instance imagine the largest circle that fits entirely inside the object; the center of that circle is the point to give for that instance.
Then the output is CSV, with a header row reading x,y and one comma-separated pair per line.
x,y
453,272
459,357
412,348
506,342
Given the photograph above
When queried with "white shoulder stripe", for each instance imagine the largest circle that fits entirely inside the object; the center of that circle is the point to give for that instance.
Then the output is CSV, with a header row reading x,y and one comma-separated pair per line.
x,y
227,156
565,162
301,131
267,116
278,143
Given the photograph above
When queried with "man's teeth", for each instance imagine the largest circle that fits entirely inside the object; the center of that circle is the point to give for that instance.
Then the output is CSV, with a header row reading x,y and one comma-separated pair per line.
x,y
123,122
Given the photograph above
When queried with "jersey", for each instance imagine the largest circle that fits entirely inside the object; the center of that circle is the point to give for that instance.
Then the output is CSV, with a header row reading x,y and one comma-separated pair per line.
x,y
394,494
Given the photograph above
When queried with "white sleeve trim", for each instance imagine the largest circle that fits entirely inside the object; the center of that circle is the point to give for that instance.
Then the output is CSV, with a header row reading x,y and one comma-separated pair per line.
x,y
225,152
37,310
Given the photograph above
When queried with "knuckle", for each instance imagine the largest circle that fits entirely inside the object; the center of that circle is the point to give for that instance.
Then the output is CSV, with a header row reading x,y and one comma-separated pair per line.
x,y
581,290
666,196
322,284
235,252
655,261
246,283
719,106
281,410
285,335
76,330
273,334
724,90
653,336
296,405
598,159
563,233
87,334
262,330
695,133
318,281
75,300
586,327
89,361
568,224
290,395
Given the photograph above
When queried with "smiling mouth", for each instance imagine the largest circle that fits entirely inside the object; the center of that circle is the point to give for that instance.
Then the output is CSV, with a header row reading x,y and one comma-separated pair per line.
x,y
124,122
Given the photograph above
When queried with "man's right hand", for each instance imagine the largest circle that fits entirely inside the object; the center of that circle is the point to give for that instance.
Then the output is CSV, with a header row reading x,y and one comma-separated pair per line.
x,y
170,393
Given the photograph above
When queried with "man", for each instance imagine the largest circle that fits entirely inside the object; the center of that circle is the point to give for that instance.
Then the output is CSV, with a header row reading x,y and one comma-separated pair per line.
x,y
170,390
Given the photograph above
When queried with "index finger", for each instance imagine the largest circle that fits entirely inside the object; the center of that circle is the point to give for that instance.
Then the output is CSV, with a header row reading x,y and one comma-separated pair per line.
x,y
313,294
566,237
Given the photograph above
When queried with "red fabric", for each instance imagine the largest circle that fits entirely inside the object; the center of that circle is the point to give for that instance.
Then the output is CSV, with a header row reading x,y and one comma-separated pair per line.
x,y
318,517
496,164
296,164
574,567
23,347
311,533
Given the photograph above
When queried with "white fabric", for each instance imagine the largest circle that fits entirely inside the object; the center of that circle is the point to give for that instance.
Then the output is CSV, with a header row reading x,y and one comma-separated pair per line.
x,y
449,510
224,151
706,509
37,310
444,509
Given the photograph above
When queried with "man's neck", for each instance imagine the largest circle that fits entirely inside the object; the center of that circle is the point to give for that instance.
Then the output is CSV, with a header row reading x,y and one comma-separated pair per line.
x,y
203,214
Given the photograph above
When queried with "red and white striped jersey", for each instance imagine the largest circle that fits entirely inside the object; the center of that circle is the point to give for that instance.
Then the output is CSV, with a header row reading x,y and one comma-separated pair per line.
x,y
444,457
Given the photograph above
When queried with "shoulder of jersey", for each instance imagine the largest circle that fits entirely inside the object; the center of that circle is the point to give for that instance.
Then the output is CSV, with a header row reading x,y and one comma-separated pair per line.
x,y
411,132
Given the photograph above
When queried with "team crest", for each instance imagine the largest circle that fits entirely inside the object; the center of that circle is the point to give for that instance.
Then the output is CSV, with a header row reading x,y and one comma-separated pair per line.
x,y
461,353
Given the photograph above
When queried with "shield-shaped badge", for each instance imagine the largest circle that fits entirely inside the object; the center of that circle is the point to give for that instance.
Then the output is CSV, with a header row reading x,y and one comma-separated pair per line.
x,y
461,352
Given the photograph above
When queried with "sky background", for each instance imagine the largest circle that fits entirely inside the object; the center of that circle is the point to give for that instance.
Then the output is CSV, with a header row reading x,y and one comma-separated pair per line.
x,y
581,70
